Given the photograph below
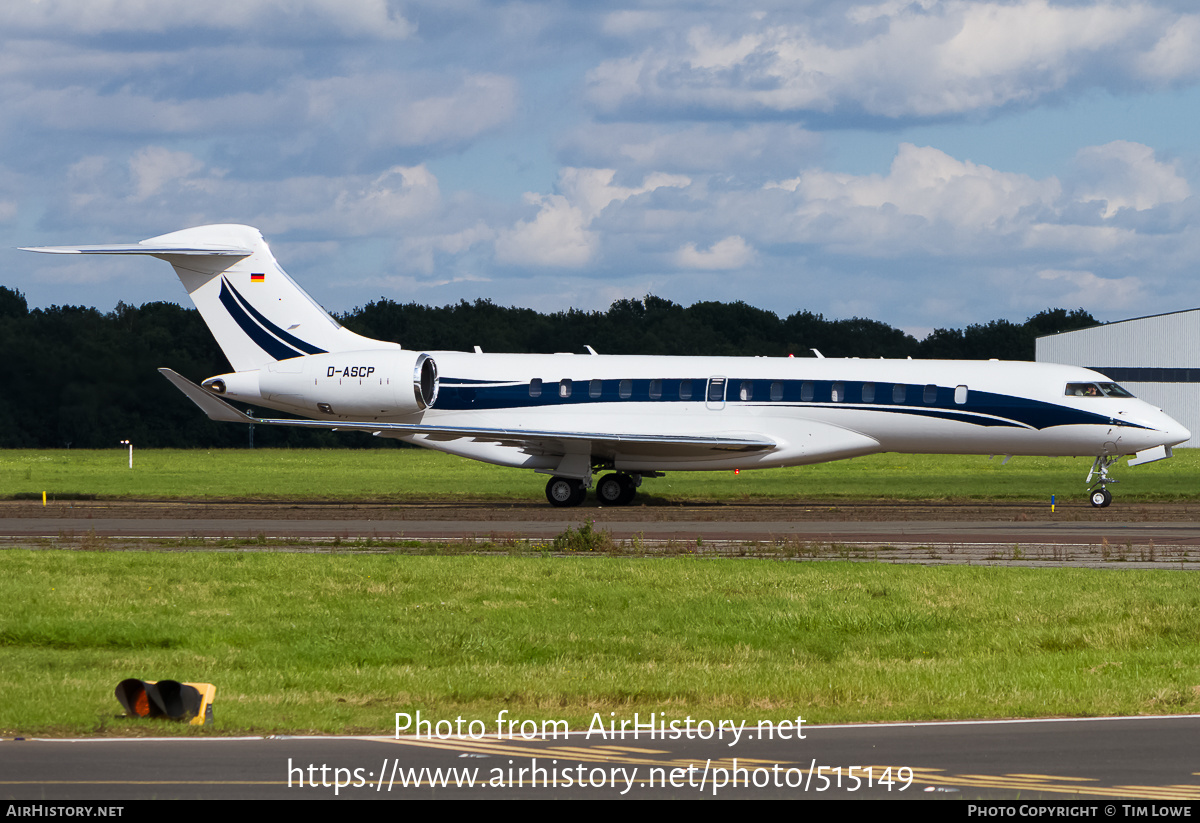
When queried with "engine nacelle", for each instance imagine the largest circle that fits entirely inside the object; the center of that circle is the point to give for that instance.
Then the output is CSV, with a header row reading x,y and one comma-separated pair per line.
x,y
358,385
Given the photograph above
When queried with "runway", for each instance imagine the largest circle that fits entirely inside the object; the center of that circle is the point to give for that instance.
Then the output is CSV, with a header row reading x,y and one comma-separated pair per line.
x,y
1131,535
1096,760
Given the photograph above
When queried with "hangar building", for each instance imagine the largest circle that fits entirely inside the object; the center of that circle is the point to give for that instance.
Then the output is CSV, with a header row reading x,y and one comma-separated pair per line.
x,y
1157,358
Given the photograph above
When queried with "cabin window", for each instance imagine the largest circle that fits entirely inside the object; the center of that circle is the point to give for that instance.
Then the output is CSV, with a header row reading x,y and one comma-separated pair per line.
x,y
746,390
535,387
685,389
655,389
716,389
868,393
564,388
960,394
594,388
930,395
777,391
837,393
806,392
898,392
625,389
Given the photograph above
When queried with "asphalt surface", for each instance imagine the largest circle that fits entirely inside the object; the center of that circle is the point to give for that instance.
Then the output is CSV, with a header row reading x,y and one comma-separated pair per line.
x,y
1102,760
1127,536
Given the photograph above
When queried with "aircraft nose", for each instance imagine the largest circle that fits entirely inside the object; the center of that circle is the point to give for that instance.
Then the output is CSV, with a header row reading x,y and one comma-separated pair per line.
x,y
1173,432
1178,435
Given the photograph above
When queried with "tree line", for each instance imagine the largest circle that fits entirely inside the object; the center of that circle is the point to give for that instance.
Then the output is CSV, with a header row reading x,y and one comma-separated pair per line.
x,y
75,377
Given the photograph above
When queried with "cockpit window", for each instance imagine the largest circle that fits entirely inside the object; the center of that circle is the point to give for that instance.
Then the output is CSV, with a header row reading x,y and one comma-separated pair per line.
x,y
1113,390
1096,390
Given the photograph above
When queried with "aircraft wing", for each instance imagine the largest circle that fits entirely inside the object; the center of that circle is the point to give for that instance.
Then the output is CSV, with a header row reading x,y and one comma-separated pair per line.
x,y
218,409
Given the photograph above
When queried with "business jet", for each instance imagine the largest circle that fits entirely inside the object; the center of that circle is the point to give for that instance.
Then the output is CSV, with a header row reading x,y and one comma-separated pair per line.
x,y
628,418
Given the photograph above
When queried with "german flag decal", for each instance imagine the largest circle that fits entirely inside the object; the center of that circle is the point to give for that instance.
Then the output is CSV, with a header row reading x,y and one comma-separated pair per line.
x,y
258,278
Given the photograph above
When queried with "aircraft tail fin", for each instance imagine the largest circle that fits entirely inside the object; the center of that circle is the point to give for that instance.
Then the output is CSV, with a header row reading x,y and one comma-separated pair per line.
x,y
256,312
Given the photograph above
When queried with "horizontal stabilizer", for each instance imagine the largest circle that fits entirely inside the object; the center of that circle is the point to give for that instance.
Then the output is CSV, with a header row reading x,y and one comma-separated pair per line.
x,y
214,407
157,249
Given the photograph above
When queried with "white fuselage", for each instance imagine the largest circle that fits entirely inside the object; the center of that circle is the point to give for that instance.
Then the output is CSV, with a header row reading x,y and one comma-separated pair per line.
x,y
811,409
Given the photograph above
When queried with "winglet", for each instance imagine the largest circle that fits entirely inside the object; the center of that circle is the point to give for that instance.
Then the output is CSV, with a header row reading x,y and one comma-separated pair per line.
x,y
214,407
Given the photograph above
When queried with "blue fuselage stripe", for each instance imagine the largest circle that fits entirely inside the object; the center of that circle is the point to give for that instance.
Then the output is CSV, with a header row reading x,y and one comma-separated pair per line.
x,y
988,409
269,337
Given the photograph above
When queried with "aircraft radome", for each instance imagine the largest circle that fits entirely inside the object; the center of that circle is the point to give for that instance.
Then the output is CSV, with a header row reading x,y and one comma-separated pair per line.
x,y
626,418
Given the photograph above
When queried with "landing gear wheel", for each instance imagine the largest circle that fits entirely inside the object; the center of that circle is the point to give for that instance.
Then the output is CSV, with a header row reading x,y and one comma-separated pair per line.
x,y
615,490
1101,498
565,491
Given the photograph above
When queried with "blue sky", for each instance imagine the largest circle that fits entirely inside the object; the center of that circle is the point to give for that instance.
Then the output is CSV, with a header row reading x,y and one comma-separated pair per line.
x,y
921,162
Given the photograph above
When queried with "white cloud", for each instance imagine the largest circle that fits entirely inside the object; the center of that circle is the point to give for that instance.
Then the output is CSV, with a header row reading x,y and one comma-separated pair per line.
x,y
730,253
385,109
360,111
157,182
557,236
421,253
1083,288
360,18
925,189
593,189
628,22
932,203
1127,175
560,235
154,166
903,59
696,148
1175,54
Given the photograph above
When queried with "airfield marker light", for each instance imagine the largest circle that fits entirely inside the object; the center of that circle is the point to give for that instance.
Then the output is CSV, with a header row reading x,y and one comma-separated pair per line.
x,y
1052,504
167,698
130,445
43,500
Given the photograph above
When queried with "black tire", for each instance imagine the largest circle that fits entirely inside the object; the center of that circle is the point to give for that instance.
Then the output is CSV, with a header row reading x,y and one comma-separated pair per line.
x,y
1101,498
610,490
630,490
564,492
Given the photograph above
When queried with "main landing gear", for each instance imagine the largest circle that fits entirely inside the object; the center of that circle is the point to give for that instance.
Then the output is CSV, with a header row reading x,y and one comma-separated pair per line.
x,y
616,489
1098,491
565,491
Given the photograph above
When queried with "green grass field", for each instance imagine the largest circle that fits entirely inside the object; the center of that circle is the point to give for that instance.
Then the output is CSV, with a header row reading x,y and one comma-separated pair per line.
x,y
341,642
404,474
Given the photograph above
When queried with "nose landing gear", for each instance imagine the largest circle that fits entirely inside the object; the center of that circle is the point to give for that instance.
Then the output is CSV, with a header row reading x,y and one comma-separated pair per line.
x,y
1100,495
